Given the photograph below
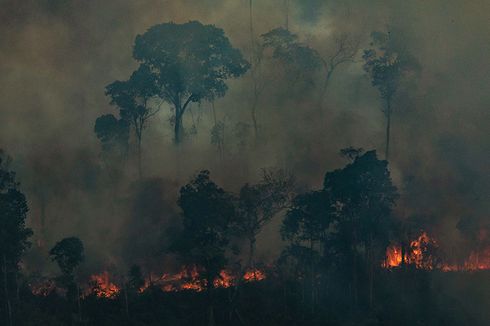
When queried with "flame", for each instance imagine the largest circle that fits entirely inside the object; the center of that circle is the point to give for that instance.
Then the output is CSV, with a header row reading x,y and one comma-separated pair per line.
x,y
189,279
419,255
254,275
393,256
102,286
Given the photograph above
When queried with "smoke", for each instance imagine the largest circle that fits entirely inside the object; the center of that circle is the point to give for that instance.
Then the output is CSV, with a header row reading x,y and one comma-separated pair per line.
x,y
57,56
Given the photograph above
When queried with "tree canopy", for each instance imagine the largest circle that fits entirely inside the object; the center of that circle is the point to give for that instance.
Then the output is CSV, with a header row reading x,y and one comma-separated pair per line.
x,y
190,63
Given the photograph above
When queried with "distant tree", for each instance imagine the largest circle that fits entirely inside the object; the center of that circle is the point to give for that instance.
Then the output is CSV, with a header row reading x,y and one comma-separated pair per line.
x,y
351,153
190,63
133,98
344,50
218,137
113,134
387,63
259,203
363,196
14,234
208,211
300,60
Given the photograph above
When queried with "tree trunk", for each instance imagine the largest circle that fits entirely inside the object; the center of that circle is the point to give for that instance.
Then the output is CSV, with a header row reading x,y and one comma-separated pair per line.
x,y
251,257
252,71
6,292
388,126
140,171
126,303
211,321
79,304
371,271
287,15
178,128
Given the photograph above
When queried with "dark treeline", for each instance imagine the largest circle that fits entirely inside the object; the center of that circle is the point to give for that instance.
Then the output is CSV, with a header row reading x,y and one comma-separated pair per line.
x,y
330,272
223,186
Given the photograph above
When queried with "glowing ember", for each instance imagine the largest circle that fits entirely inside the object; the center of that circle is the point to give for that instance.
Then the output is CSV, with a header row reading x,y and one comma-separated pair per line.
x,y
102,286
254,275
190,279
43,288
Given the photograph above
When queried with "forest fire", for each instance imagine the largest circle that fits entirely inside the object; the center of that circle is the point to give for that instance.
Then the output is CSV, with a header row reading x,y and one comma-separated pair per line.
x,y
424,253
190,279
102,286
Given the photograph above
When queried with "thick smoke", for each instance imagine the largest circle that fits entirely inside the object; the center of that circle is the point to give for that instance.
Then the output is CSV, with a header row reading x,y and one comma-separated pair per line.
x,y
57,56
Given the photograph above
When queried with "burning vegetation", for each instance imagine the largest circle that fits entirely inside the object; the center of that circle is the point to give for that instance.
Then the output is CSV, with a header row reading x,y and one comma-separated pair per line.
x,y
424,253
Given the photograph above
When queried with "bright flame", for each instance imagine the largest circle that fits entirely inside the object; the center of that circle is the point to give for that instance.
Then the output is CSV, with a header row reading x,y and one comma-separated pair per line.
x,y
103,287
421,256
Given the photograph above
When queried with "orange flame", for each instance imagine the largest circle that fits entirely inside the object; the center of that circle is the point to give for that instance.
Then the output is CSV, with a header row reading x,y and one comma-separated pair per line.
x,y
103,287
420,256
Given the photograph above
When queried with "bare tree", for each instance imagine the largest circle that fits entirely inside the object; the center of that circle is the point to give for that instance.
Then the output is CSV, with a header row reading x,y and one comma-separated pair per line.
x,y
346,48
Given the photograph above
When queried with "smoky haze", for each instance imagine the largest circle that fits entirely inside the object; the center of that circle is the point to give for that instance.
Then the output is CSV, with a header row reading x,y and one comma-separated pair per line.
x,y
56,57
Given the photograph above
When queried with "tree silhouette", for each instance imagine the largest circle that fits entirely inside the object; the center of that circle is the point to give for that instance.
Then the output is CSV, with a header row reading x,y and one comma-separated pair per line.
x,y
387,62
68,254
14,234
190,63
344,50
300,60
259,203
133,98
306,228
363,196
113,134
208,211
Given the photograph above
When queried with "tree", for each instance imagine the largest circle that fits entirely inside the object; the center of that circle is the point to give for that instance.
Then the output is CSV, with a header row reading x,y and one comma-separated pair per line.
x,y
190,63
208,211
344,51
133,98
68,254
259,203
363,196
387,63
113,134
306,227
14,234
299,59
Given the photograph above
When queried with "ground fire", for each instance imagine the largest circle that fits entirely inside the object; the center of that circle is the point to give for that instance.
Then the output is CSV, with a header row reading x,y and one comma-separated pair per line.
x,y
424,253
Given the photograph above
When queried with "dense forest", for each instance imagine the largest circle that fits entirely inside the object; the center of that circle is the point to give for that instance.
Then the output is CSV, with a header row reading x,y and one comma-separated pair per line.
x,y
244,162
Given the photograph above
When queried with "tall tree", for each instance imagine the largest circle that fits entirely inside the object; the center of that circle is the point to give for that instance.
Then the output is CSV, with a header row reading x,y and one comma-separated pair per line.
x,y
133,98
300,60
190,62
344,50
363,196
306,228
259,203
68,254
388,62
14,234
208,211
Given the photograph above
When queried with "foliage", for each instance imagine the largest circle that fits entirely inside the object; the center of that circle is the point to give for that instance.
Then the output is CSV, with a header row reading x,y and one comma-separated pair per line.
x,y
190,62
14,234
68,254
113,133
208,211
